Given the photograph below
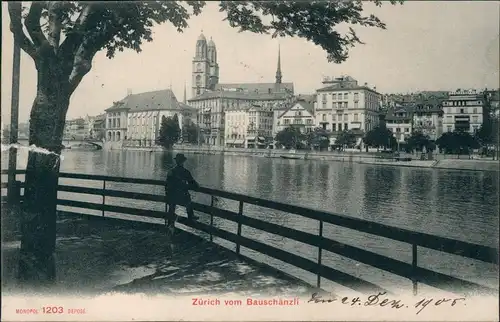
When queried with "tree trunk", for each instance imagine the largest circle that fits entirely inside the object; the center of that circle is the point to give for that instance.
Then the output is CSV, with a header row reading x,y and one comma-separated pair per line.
x,y
48,113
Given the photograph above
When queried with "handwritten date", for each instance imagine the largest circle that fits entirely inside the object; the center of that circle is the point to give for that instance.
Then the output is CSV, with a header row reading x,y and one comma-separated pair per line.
x,y
382,300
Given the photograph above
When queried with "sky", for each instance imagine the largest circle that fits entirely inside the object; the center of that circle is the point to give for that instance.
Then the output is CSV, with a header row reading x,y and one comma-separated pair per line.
x,y
428,45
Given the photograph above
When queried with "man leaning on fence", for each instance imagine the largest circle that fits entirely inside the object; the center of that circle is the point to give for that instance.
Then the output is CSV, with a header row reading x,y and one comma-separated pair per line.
x,y
179,181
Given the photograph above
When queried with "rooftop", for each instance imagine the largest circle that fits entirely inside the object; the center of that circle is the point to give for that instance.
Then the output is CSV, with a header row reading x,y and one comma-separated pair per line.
x,y
343,87
240,95
155,100
260,88
306,101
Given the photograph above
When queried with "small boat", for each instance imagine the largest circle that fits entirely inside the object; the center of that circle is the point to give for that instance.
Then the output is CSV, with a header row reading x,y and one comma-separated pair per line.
x,y
290,157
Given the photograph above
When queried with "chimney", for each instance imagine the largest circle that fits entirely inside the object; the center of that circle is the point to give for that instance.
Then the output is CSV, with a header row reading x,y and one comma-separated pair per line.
x,y
129,91
366,84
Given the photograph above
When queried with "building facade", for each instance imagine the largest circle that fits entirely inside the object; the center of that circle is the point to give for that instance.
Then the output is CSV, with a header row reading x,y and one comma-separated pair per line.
x,y
236,125
428,120
299,113
249,126
399,121
342,104
463,110
212,100
260,126
76,129
135,120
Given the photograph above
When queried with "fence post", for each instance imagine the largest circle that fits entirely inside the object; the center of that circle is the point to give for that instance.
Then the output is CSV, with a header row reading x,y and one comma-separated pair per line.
x,y
14,194
318,282
414,268
240,213
103,195
211,217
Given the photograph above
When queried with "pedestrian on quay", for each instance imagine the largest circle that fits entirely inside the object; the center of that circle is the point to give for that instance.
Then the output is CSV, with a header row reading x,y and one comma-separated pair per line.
x,y
179,182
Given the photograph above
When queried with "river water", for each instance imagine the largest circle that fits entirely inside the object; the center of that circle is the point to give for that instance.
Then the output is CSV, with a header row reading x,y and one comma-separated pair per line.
x,y
450,203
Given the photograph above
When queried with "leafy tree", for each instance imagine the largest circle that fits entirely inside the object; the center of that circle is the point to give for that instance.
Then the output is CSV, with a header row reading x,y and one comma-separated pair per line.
x,y
190,132
63,38
457,142
417,141
170,132
290,137
487,134
380,136
319,137
346,138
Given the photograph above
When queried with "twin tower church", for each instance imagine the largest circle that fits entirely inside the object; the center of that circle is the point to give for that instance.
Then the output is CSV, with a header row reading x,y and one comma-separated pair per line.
x,y
205,76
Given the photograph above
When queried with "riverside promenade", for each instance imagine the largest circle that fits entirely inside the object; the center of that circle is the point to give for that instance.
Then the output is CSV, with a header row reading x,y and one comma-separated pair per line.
x,y
440,162
96,255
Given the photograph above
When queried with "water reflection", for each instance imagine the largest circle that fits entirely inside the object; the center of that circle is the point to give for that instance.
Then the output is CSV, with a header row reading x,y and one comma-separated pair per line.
x,y
456,204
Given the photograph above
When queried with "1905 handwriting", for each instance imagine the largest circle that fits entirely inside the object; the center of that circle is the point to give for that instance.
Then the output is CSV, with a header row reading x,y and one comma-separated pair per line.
x,y
382,300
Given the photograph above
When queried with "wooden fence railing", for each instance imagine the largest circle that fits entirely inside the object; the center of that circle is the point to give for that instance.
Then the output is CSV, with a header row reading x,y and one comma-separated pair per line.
x,y
413,271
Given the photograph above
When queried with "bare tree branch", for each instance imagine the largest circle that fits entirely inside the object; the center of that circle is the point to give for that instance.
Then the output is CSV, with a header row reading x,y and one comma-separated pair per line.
x,y
32,24
55,23
16,27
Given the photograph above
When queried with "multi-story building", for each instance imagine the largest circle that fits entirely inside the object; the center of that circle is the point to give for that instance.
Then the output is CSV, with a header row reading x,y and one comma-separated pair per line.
x,y
428,119
399,121
249,126
463,110
98,127
298,113
75,129
344,105
236,125
212,99
260,126
136,119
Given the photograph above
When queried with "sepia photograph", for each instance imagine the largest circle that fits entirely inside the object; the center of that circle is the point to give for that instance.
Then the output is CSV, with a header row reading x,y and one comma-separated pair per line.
x,y
250,160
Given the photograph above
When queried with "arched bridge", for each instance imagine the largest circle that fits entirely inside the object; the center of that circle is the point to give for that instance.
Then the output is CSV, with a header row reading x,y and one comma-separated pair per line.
x,y
73,144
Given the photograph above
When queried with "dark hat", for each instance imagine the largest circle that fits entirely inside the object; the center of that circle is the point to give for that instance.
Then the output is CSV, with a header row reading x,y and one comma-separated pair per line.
x,y
180,157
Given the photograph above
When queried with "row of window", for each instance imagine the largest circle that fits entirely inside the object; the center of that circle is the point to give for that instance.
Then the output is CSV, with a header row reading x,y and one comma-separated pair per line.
x,y
339,96
465,110
449,118
346,117
461,103
475,128
113,122
298,121
224,102
343,105
339,127
398,129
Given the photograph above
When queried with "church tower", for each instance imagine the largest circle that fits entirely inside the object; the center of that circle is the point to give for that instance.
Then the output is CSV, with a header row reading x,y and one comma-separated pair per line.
x,y
278,70
214,67
201,67
205,67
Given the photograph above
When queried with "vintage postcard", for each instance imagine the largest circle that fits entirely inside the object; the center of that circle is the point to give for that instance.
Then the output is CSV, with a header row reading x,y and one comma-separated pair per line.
x,y
250,161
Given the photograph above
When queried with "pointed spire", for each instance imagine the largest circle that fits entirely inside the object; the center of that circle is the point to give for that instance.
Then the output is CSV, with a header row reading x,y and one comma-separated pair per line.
x,y
278,70
184,98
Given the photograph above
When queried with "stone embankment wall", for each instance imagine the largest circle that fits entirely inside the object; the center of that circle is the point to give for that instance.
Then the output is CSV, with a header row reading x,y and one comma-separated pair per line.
x,y
358,157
